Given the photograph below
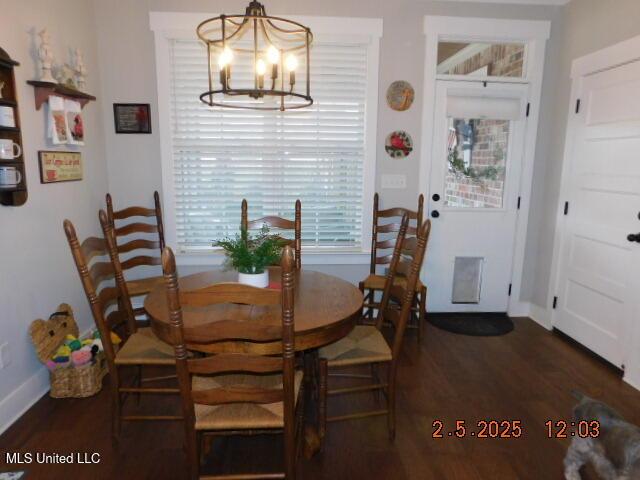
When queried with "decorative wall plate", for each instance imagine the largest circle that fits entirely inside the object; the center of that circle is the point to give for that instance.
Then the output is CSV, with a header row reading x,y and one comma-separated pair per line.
x,y
400,95
398,144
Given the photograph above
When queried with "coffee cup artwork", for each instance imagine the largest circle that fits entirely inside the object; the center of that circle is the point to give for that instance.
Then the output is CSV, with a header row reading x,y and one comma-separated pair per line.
x,y
9,150
10,177
57,166
7,118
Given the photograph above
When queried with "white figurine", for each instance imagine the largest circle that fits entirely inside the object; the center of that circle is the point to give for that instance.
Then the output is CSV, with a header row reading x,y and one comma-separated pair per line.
x,y
1,87
46,57
67,75
81,70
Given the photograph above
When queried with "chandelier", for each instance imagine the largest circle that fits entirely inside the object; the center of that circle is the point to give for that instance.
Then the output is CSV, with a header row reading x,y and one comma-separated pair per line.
x,y
256,56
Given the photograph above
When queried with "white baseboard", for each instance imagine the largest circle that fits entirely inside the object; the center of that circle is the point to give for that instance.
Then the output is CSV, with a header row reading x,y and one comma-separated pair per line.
x,y
14,405
540,315
518,309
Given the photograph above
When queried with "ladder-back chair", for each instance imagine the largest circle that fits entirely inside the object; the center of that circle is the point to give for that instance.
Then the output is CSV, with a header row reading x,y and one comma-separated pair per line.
x,y
385,227
237,393
280,224
366,345
112,312
131,221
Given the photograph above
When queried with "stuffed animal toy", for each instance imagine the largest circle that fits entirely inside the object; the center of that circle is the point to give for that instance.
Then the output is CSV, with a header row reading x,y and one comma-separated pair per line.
x,y
63,351
73,343
115,339
61,362
78,352
97,343
81,357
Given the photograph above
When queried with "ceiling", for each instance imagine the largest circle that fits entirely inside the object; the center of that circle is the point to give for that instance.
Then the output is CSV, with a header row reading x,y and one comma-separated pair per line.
x,y
521,2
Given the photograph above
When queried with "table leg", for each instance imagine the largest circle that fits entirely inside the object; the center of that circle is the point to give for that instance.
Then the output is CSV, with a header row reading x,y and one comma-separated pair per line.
x,y
311,445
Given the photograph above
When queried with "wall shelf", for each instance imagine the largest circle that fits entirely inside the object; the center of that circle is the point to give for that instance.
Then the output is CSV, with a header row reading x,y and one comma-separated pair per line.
x,y
14,195
43,90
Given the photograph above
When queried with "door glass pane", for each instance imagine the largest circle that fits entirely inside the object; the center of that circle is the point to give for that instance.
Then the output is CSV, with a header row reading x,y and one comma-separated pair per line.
x,y
481,59
476,162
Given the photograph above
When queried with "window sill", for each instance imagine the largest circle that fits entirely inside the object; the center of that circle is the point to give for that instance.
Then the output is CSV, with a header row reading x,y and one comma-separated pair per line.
x,y
308,258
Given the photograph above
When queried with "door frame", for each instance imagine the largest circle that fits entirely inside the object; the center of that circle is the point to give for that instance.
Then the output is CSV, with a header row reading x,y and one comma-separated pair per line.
x,y
534,34
607,58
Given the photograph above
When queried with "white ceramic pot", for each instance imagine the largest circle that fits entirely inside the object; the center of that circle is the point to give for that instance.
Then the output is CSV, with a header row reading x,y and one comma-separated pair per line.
x,y
260,280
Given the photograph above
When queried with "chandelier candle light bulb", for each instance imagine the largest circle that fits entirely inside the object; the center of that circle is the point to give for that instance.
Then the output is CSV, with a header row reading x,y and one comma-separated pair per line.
x,y
261,68
226,56
292,64
273,55
224,62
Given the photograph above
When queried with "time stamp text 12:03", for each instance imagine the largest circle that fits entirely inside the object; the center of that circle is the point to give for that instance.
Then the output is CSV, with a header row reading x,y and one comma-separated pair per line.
x,y
513,429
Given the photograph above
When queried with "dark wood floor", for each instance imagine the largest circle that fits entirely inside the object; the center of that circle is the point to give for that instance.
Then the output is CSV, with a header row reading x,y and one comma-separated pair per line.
x,y
526,375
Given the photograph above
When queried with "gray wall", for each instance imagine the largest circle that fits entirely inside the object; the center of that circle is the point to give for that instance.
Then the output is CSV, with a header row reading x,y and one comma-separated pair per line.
x,y
586,26
36,268
126,52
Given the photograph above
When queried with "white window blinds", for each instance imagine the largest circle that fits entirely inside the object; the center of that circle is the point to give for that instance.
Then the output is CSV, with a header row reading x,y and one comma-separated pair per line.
x,y
270,158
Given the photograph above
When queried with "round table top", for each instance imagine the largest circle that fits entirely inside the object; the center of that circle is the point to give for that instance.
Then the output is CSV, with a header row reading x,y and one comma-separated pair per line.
x,y
325,308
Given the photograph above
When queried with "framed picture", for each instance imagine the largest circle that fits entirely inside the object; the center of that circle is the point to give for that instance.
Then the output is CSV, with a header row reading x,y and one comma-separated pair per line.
x,y
132,117
60,166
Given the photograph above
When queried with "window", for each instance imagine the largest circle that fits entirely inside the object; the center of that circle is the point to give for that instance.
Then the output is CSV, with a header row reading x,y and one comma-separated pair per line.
x,y
477,160
478,140
481,59
320,154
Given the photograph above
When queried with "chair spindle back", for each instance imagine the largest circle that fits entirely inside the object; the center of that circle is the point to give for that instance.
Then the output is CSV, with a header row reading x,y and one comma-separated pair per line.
x,y
380,238
232,329
280,224
408,256
97,278
137,226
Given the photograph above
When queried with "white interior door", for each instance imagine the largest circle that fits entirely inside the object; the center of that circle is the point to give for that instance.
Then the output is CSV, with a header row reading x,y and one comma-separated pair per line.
x,y
599,263
475,179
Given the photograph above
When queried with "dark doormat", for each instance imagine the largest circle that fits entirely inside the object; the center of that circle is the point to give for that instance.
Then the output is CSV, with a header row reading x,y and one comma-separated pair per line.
x,y
474,324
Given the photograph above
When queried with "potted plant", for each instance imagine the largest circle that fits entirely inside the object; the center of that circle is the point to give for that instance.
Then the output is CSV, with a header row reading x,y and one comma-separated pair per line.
x,y
251,256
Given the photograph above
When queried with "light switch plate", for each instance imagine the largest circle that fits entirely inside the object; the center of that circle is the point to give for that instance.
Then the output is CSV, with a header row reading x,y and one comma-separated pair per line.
x,y
5,358
394,181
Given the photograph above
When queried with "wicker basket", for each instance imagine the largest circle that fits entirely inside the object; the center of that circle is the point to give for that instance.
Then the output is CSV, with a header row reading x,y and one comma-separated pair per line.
x,y
76,382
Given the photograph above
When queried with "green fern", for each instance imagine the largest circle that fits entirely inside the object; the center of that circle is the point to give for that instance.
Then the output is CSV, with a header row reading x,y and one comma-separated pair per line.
x,y
248,254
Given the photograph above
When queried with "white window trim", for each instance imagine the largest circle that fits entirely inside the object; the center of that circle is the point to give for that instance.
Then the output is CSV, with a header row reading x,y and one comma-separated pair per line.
x,y
172,25
470,29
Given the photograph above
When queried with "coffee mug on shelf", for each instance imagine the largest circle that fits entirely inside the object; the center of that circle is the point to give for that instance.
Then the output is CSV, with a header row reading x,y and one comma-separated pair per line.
x,y
9,150
7,118
10,177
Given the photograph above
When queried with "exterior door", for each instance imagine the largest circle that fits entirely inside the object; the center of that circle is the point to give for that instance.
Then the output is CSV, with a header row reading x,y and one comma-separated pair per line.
x,y
475,178
599,263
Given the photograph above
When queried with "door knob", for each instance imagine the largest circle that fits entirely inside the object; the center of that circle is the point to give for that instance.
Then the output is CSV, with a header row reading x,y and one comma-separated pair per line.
x,y
634,237
435,214
435,197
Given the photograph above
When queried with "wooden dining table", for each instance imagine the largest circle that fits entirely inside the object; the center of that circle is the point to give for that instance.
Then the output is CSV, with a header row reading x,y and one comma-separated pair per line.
x,y
325,310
